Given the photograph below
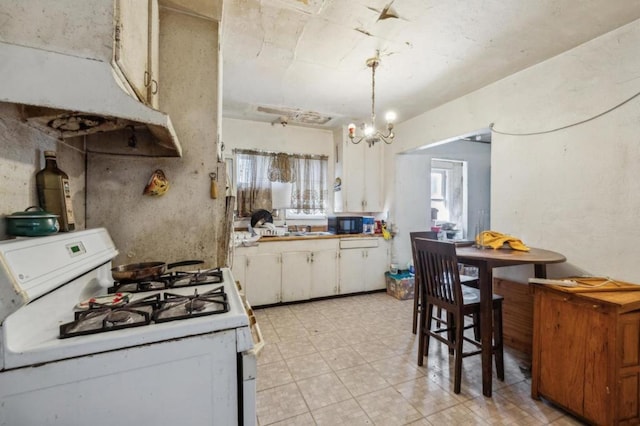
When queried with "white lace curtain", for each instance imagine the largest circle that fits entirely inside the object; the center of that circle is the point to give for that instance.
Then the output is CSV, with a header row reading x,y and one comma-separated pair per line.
x,y
257,169
309,194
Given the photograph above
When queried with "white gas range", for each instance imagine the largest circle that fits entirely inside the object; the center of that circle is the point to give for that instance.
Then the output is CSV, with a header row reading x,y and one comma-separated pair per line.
x,y
71,353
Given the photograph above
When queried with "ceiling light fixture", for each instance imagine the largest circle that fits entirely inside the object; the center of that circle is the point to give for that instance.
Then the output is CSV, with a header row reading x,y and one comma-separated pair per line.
x,y
371,134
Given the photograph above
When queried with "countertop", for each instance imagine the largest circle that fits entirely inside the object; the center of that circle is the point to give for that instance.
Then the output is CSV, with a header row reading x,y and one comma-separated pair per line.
x,y
312,236
625,296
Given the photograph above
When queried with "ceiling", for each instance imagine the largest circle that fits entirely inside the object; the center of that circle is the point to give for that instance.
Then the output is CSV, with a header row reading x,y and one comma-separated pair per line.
x,y
304,61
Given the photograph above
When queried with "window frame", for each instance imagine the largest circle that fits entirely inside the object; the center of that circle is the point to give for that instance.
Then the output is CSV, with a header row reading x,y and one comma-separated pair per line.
x,y
292,212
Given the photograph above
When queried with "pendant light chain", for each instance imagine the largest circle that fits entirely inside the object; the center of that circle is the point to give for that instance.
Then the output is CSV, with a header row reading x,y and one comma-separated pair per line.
x,y
373,135
374,65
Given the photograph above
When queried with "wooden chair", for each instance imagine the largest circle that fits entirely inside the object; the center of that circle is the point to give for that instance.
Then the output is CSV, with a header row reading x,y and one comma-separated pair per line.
x,y
466,280
438,277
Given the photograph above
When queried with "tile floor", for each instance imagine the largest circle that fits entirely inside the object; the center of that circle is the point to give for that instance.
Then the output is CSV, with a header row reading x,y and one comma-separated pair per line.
x,y
352,361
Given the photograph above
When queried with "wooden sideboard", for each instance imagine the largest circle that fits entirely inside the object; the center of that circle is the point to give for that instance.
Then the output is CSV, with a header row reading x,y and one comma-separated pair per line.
x,y
586,353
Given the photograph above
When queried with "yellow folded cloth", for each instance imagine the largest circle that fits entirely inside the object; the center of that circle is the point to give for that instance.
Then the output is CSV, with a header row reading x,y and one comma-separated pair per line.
x,y
496,240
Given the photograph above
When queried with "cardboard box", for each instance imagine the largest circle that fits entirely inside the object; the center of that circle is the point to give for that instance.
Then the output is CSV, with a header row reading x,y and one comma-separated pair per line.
x,y
401,285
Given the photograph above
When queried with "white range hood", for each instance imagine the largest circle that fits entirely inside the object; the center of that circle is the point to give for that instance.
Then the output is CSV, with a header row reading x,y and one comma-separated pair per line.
x,y
70,96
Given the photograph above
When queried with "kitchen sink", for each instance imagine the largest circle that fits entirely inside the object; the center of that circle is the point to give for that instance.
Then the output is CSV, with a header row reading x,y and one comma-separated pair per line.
x,y
310,234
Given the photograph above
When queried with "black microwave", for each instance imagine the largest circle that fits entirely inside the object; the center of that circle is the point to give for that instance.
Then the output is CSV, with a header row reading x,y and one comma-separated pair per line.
x,y
345,224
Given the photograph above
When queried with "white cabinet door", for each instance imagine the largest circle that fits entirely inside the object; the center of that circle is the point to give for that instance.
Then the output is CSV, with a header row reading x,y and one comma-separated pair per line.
x,y
353,181
324,276
373,178
351,271
360,169
263,277
376,264
238,269
296,276
135,43
153,54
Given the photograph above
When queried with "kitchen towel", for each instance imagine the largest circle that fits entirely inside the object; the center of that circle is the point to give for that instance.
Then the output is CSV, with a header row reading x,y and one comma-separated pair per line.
x,y
496,240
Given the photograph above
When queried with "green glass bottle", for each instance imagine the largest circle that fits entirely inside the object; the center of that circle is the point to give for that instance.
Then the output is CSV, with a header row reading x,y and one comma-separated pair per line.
x,y
54,192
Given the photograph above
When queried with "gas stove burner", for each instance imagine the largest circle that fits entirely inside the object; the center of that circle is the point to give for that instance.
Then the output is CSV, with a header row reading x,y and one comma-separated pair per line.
x,y
195,305
175,306
209,276
175,279
157,308
100,318
119,317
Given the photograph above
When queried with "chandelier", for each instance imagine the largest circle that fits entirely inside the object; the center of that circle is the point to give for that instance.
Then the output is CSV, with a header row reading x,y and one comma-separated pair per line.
x,y
370,134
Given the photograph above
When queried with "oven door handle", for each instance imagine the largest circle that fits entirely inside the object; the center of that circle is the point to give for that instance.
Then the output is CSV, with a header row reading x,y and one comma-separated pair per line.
x,y
258,341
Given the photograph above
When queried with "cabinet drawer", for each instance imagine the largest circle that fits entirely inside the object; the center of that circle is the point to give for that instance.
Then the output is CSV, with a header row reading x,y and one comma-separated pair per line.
x,y
352,243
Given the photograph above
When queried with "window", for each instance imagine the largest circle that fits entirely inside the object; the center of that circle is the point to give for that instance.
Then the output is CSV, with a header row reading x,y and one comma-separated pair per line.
x,y
447,192
438,184
439,193
255,171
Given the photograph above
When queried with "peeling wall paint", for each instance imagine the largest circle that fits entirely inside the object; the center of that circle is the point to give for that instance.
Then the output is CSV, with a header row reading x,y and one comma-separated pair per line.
x,y
185,223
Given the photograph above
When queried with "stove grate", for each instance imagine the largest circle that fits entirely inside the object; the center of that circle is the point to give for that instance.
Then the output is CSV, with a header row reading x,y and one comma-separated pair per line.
x,y
99,318
174,279
177,307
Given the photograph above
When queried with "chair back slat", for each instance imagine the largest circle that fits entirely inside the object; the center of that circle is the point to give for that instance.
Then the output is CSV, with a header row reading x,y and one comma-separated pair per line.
x,y
430,235
437,272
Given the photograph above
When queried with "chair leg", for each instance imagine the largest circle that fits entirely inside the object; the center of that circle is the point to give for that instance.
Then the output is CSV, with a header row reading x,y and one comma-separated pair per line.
x,y
497,338
458,356
423,336
421,331
416,304
476,327
452,333
428,319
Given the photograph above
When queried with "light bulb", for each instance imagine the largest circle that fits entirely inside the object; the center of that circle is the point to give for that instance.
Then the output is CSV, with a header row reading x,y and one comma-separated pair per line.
x,y
352,130
390,117
368,130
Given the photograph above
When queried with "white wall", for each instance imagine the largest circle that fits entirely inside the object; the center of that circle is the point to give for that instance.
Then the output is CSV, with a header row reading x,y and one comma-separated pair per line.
x,y
413,186
575,191
245,134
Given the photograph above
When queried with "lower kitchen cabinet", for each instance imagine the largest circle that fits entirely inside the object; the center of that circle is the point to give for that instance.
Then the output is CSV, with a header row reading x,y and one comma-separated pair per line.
x,y
363,262
296,276
324,273
307,275
275,272
376,264
586,353
263,276
352,268
278,272
238,268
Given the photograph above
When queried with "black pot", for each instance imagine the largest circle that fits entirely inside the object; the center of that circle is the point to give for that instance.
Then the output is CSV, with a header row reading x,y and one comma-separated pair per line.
x,y
32,223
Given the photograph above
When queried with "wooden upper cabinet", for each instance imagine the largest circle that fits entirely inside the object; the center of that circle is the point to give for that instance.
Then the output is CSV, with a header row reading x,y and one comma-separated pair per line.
x,y
136,47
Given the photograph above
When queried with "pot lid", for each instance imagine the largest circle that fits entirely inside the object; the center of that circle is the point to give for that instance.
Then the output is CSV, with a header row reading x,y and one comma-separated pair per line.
x,y
32,214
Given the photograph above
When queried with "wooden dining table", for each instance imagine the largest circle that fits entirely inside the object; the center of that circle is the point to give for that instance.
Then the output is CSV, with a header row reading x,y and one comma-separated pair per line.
x,y
485,259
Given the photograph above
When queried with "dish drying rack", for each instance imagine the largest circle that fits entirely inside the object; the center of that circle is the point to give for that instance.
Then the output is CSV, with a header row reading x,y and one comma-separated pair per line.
x,y
270,232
